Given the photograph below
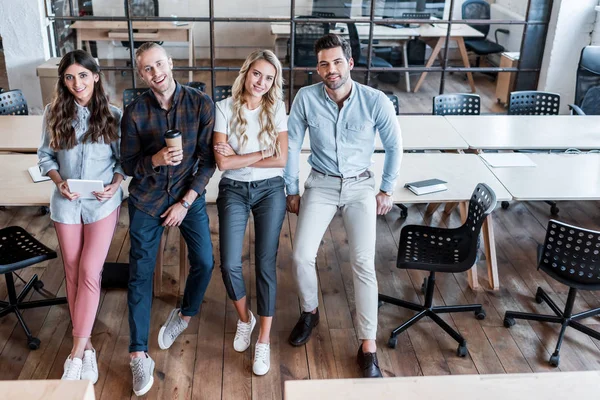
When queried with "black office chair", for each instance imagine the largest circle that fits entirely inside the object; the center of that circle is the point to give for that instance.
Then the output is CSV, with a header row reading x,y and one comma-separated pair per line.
x,y
304,42
587,88
130,95
222,92
201,86
569,255
18,250
141,8
359,59
434,249
13,103
480,9
533,102
394,99
457,104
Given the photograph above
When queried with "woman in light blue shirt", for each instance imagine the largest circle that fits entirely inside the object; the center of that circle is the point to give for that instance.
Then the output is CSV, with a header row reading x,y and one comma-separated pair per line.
x,y
80,140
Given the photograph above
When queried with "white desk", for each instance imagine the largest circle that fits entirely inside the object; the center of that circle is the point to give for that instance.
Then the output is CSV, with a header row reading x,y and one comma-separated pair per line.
x,y
420,132
462,172
514,132
532,386
20,133
556,177
47,390
432,34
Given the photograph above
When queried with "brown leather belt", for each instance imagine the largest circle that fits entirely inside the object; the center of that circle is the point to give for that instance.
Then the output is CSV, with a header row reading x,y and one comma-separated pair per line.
x,y
363,174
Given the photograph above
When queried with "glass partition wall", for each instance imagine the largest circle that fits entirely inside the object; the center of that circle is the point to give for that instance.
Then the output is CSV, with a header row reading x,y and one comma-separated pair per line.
x,y
414,49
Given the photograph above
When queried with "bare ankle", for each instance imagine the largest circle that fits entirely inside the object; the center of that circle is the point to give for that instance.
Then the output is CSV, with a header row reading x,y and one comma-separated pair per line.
x,y
137,354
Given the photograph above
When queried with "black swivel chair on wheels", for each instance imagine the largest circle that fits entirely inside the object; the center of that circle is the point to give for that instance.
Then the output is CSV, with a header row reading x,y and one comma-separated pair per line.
x,y
18,249
569,255
442,250
587,88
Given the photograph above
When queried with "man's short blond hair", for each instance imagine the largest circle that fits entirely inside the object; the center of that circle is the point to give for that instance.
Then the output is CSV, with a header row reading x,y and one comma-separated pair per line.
x,y
145,47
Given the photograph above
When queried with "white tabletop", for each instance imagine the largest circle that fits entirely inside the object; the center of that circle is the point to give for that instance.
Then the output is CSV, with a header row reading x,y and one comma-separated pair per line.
x,y
462,172
528,132
555,177
20,133
420,132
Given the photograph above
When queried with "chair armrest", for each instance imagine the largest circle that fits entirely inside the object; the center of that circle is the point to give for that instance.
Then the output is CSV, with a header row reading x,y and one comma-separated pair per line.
x,y
501,30
576,110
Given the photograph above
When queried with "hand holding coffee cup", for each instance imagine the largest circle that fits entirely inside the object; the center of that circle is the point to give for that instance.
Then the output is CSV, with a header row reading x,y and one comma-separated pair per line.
x,y
172,154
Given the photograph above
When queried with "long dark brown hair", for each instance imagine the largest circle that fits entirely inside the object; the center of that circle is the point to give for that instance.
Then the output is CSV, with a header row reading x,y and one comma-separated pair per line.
x,y
102,124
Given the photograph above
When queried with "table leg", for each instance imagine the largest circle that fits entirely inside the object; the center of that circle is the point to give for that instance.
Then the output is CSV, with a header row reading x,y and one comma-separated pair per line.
x,y
432,57
431,207
79,42
405,57
191,54
465,58
472,273
490,252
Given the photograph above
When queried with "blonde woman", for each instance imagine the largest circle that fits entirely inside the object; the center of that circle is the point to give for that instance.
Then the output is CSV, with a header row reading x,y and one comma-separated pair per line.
x,y
250,145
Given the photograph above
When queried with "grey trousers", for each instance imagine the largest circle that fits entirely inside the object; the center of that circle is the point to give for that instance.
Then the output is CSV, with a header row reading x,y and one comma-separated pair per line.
x,y
266,200
355,197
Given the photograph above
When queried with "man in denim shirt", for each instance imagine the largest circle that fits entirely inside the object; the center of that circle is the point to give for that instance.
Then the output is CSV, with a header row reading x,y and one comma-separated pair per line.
x,y
167,189
342,118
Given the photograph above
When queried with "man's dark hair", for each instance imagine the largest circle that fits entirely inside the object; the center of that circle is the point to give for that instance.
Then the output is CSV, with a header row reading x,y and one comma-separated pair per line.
x,y
331,41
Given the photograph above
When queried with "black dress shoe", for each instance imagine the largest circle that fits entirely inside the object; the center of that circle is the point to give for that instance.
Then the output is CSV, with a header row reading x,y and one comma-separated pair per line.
x,y
368,364
301,332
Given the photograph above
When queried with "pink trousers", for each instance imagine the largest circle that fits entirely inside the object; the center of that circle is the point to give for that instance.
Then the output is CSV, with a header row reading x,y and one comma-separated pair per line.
x,y
84,249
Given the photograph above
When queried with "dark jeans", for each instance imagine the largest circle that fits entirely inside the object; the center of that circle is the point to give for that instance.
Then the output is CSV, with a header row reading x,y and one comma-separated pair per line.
x,y
266,200
145,232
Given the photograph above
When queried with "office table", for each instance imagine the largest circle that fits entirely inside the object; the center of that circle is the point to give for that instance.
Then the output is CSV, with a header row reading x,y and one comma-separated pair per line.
x,y
433,34
20,133
146,31
462,172
51,389
531,386
516,132
420,132
556,177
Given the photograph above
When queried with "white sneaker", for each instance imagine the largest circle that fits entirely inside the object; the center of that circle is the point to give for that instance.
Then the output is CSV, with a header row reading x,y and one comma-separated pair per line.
x,y
72,369
243,332
262,358
89,369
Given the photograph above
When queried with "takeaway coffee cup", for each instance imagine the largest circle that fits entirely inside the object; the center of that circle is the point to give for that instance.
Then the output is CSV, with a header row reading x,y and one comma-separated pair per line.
x,y
173,138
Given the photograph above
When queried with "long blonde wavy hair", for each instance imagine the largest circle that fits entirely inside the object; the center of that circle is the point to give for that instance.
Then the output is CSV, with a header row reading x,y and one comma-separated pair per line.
x,y
267,136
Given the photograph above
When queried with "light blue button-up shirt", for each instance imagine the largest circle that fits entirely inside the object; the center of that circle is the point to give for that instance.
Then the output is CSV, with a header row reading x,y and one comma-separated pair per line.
x,y
93,161
342,141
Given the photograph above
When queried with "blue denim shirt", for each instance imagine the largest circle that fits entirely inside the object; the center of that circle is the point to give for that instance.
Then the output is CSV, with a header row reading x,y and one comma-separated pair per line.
x,y
93,161
342,141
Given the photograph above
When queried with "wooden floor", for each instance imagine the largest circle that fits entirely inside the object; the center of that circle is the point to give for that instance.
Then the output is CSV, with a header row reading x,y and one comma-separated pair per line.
x,y
203,365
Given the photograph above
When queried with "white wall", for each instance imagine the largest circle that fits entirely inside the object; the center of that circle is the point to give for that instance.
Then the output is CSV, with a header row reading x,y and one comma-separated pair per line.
x,y
570,29
25,42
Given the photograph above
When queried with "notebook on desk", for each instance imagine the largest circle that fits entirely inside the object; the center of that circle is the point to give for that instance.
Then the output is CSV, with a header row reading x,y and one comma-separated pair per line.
x,y
36,175
427,186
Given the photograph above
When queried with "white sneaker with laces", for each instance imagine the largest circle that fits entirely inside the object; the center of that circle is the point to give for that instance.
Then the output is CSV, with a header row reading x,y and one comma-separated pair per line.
x,y
89,369
243,332
72,369
262,358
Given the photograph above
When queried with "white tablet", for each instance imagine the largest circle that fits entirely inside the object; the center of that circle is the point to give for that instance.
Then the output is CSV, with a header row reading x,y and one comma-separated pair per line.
x,y
85,187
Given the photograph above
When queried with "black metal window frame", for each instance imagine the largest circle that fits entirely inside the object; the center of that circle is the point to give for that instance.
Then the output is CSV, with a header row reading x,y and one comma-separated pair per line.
x,y
527,72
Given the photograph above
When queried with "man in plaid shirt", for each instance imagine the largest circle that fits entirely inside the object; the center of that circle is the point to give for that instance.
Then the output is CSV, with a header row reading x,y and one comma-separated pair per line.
x,y
167,189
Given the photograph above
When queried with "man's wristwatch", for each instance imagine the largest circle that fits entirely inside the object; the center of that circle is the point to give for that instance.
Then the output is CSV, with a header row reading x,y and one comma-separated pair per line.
x,y
185,204
388,194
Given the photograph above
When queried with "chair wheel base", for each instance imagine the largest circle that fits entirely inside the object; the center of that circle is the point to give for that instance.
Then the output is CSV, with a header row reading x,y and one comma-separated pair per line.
x,y
461,351
508,322
505,205
33,343
392,342
554,360
554,210
480,314
424,286
380,303
38,285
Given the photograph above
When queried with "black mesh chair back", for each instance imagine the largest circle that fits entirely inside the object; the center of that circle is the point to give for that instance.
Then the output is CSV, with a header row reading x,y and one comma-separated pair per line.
x,y
410,15
448,250
532,102
477,9
222,92
13,103
201,86
18,249
587,88
571,255
456,104
130,95
306,35
394,99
